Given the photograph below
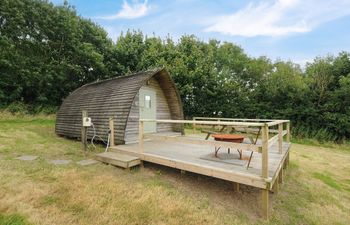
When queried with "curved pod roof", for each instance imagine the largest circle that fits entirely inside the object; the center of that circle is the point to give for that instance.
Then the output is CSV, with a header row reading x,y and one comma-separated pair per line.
x,y
111,98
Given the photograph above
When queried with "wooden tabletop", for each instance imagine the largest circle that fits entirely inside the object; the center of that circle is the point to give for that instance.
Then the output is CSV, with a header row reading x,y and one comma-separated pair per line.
x,y
228,137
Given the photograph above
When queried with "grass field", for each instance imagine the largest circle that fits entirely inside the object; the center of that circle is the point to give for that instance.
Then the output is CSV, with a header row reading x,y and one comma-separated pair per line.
x,y
316,189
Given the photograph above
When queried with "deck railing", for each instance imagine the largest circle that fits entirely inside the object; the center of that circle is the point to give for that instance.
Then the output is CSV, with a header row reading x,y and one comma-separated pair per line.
x,y
263,125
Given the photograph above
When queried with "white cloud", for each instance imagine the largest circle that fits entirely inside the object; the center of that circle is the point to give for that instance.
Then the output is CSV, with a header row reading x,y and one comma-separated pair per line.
x,y
130,11
279,17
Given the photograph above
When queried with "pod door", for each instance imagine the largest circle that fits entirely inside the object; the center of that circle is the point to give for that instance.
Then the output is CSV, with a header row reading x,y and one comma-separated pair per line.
x,y
148,109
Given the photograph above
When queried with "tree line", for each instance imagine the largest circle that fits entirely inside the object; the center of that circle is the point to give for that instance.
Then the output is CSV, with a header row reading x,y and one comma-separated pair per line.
x,y
48,51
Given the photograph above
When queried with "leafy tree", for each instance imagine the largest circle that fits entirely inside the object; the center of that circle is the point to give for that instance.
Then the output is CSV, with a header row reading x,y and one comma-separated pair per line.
x,y
48,51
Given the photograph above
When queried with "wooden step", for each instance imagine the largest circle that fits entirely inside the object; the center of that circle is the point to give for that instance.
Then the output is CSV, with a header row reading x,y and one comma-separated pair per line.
x,y
118,159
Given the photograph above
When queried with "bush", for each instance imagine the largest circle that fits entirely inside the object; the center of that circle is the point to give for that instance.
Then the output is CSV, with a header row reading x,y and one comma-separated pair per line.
x,y
17,108
46,110
20,108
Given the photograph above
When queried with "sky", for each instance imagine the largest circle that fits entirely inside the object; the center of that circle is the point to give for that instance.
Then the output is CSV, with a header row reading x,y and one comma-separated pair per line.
x,y
297,30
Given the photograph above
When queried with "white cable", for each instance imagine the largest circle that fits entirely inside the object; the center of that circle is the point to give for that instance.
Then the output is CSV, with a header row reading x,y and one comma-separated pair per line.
x,y
109,135
93,137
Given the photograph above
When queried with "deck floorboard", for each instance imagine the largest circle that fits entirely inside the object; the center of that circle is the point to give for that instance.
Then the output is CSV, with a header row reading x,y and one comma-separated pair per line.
x,y
191,156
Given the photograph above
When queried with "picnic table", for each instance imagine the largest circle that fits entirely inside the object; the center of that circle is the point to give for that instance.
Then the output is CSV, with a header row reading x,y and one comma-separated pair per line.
x,y
253,140
236,138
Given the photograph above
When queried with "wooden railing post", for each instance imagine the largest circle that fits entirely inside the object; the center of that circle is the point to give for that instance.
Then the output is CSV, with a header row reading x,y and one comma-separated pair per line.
x,y
141,129
265,170
288,132
265,146
280,137
111,128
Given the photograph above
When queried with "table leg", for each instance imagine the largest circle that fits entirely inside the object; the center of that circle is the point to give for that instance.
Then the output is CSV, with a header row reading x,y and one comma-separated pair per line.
x,y
229,150
250,159
240,153
207,137
216,151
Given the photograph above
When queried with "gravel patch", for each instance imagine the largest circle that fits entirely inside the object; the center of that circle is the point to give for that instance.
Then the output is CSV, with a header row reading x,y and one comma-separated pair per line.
x,y
27,157
87,162
60,161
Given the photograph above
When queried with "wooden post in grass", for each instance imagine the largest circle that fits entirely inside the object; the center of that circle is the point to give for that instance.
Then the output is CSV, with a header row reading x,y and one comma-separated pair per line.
x,y
84,132
265,203
111,128
265,170
235,186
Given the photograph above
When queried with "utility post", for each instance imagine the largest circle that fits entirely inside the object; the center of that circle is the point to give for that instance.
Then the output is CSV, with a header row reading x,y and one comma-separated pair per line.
x,y
84,114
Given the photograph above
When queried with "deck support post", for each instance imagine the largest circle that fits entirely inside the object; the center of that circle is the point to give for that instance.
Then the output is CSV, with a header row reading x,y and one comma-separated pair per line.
x,y
235,187
276,186
265,203
142,166
280,137
84,132
141,129
265,170
288,132
280,176
111,128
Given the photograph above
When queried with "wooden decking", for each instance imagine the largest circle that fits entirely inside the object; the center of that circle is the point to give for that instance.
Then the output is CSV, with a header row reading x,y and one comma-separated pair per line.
x,y
199,159
194,154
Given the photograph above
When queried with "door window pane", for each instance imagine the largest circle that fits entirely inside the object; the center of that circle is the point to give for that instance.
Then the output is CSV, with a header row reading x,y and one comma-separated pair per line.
x,y
147,101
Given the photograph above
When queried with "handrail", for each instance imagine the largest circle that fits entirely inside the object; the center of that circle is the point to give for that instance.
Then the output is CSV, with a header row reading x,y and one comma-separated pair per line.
x,y
206,122
231,119
275,138
270,122
277,122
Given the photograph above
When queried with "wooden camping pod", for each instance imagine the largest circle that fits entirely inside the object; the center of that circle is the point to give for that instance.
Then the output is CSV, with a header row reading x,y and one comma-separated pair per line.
x,y
119,98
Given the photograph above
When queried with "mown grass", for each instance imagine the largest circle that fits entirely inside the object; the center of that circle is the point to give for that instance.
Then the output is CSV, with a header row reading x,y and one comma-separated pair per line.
x,y
315,190
13,219
327,180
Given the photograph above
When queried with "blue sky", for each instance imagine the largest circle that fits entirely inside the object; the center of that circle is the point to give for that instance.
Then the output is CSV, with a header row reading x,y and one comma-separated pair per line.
x,y
298,30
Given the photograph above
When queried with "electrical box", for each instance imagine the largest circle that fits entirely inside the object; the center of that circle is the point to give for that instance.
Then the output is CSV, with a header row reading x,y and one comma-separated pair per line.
x,y
86,122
